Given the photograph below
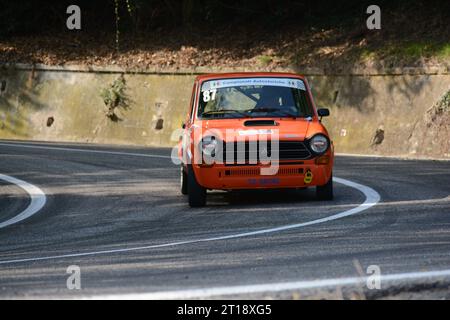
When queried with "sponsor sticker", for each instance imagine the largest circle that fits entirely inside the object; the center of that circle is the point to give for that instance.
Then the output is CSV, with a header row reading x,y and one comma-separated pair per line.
x,y
255,132
264,182
273,82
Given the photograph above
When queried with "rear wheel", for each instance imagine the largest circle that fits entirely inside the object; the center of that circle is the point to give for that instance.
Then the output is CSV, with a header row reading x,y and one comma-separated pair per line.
x,y
325,192
196,193
183,181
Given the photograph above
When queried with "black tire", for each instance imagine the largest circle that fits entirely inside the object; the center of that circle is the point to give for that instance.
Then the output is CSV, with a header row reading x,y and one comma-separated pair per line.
x,y
196,193
183,181
325,192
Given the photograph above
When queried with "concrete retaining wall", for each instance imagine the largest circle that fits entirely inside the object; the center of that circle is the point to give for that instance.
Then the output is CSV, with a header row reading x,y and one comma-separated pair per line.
x,y
73,100
360,105
395,105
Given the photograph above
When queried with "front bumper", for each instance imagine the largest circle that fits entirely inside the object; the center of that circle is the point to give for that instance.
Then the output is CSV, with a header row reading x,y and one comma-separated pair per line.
x,y
303,174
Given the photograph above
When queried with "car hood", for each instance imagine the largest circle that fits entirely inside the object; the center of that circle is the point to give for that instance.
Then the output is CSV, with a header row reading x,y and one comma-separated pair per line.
x,y
251,128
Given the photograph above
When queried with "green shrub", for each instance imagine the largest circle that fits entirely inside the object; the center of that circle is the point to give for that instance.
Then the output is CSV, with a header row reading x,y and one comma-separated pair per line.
x,y
115,97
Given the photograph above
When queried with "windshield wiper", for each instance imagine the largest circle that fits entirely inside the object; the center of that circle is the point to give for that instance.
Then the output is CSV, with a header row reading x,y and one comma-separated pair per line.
x,y
222,111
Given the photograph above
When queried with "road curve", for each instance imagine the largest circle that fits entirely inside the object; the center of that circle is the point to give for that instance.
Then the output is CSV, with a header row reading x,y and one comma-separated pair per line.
x,y
36,198
112,211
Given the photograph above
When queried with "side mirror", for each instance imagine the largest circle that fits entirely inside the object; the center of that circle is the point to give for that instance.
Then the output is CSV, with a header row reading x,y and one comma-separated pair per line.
x,y
183,125
323,112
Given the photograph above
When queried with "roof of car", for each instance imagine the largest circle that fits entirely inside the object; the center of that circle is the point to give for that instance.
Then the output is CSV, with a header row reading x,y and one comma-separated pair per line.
x,y
212,76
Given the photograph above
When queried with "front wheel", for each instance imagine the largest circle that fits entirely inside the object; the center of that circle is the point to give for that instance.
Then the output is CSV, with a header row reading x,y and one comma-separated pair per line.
x,y
325,192
183,181
196,193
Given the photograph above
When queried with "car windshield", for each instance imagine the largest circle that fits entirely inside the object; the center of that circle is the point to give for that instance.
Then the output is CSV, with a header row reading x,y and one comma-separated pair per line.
x,y
254,97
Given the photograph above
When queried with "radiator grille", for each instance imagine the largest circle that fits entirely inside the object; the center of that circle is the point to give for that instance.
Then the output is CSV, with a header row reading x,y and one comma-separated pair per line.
x,y
254,153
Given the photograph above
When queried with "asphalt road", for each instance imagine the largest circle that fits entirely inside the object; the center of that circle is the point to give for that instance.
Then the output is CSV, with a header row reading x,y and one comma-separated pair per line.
x,y
120,218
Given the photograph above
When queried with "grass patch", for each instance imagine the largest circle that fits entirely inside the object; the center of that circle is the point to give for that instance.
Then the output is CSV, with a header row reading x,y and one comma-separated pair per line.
x,y
367,54
407,51
444,51
265,60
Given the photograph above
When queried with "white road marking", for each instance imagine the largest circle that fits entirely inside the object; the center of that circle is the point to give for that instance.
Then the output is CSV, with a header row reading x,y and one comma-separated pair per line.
x,y
377,156
372,198
272,287
20,145
37,197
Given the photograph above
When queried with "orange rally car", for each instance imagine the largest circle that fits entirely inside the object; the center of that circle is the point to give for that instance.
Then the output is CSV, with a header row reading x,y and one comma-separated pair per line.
x,y
254,131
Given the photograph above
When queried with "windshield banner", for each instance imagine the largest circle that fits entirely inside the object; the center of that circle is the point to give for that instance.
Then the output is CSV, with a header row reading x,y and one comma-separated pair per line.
x,y
274,82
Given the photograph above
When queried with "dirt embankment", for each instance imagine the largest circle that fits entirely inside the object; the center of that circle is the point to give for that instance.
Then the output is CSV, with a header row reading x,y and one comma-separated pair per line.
x,y
415,35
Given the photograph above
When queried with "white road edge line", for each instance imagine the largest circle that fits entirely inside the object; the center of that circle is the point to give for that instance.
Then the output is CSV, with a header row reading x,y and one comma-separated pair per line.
x,y
270,287
372,198
15,145
37,197
400,157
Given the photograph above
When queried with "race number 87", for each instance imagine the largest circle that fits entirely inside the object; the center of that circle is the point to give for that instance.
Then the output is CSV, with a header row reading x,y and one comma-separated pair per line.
x,y
209,95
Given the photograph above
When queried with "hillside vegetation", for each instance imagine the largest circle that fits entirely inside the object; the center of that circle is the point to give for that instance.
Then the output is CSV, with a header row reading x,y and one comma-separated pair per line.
x,y
256,34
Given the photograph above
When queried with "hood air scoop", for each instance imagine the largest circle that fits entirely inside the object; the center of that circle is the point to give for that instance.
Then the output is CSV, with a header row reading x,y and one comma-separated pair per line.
x,y
259,123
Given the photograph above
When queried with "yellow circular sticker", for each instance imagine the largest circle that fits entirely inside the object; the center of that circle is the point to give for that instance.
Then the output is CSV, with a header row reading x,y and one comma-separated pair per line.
x,y
308,177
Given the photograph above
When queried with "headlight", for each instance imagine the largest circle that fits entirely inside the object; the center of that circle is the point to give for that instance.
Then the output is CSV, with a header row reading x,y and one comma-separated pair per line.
x,y
319,143
209,146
